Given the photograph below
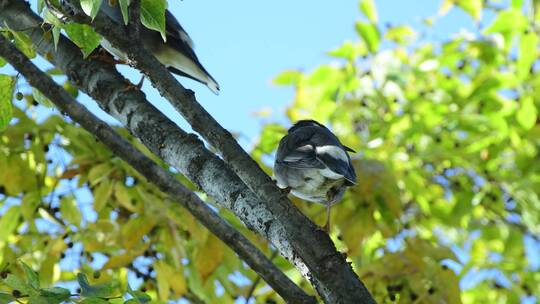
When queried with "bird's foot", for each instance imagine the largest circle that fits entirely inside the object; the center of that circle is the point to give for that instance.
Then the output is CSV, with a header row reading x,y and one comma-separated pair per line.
x,y
135,87
326,228
285,190
102,55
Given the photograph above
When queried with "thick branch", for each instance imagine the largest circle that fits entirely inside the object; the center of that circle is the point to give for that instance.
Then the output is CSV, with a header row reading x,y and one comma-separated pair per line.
x,y
329,272
301,242
155,174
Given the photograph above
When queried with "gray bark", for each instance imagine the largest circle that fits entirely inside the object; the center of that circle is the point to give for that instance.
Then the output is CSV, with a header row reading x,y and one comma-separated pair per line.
x,y
267,212
155,174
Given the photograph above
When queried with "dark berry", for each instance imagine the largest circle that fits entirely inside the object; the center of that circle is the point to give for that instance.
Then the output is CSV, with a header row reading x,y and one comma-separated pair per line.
x,y
16,293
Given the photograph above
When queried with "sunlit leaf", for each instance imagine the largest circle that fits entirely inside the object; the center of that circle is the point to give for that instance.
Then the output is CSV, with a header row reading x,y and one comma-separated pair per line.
x,y
91,7
83,36
472,7
288,78
9,221
153,15
527,113
370,34
527,55
70,211
124,9
368,8
32,277
7,85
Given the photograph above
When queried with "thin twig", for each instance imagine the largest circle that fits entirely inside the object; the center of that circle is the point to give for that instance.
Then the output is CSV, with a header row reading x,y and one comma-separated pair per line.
x,y
258,279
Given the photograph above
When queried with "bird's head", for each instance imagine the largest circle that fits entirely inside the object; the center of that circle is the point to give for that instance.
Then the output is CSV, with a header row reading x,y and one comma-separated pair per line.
x,y
305,123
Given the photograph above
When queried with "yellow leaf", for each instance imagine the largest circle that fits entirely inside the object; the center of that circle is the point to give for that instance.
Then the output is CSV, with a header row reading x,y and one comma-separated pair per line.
x,y
98,173
175,279
120,260
133,231
102,193
124,197
208,256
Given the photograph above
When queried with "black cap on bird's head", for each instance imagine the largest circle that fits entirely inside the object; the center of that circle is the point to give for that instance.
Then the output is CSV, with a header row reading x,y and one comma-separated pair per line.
x,y
305,123
313,123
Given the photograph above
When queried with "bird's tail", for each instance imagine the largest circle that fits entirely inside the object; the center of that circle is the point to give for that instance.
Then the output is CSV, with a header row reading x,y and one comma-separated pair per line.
x,y
181,65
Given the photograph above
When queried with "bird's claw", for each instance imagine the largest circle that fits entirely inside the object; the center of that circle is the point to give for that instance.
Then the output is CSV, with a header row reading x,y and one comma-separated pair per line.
x,y
285,190
134,87
104,56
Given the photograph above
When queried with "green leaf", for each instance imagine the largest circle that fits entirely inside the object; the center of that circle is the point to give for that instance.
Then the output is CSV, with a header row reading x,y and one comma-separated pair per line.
x,y
508,21
124,9
526,57
17,283
32,277
153,15
83,36
368,8
134,230
527,114
91,7
55,295
56,35
517,3
139,296
6,298
9,221
99,172
349,50
24,44
102,193
94,301
472,7
91,291
2,62
400,34
370,34
290,77
69,210
7,85
42,99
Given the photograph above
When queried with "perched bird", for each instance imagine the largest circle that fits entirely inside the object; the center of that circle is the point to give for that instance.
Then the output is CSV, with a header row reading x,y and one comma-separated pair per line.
x,y
313,165
176,53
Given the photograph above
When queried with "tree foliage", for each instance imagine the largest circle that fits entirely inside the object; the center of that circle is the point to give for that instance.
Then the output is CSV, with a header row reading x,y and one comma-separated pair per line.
x,y
446,209
448,170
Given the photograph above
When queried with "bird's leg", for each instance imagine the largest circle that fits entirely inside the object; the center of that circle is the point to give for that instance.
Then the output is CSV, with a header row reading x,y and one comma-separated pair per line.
x,y
285,190
326,227
103,55
135,87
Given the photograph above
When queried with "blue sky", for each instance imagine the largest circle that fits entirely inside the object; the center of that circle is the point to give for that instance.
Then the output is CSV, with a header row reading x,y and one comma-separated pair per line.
x,y
244,44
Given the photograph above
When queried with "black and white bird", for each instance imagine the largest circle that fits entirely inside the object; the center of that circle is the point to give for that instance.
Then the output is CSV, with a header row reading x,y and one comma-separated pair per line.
x,y
176,53
313,165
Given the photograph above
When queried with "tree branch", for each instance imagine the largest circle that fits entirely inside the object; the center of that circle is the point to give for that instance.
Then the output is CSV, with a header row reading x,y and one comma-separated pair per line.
x,y
327,270
269,213
154,173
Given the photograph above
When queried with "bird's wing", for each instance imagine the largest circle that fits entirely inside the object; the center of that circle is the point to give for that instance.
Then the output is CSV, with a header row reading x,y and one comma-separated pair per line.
x,y
296,151
302,157
175,30
336,159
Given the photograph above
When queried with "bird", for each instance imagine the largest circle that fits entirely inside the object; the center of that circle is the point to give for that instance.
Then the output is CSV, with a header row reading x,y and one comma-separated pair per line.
x,y
176,52
312,164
